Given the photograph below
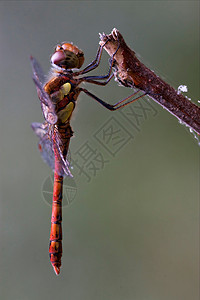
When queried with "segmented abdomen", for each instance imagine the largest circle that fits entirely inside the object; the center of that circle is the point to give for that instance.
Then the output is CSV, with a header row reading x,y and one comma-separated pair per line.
x,y
55,246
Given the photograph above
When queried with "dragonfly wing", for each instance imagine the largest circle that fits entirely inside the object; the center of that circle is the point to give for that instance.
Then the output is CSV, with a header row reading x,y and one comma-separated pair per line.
x,y
45,144
46,151
47,106
40,129
47,147
37,70
64,163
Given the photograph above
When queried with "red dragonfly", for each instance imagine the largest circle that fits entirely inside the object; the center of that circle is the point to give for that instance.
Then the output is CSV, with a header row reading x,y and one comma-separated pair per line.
x,y
58,96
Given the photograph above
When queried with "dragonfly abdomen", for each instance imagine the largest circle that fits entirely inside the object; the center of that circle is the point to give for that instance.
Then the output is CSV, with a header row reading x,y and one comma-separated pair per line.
x,y
55,246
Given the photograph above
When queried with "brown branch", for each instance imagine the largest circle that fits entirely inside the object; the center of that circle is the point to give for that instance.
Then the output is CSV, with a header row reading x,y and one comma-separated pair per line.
x,y
130,72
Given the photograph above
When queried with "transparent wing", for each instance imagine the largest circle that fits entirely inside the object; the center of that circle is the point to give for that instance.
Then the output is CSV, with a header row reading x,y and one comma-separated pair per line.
x,y
37,70
46,103
47,146
40,129
57,143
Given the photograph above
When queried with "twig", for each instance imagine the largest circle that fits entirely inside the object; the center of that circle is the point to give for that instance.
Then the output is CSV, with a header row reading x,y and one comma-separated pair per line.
x,y
130,72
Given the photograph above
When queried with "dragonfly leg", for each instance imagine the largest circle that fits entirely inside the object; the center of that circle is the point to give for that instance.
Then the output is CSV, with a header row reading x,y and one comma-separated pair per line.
x,y
117,105
92,79
99,78
95,63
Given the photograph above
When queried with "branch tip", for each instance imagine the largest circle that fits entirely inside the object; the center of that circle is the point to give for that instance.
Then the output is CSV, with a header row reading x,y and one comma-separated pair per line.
x,y
130,72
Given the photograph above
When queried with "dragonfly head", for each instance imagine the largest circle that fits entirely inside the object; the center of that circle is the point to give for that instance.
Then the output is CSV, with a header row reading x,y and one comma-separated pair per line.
x,y
67,56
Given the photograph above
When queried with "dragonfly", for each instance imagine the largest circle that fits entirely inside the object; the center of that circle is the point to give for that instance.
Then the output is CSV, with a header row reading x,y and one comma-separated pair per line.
x,y
58,98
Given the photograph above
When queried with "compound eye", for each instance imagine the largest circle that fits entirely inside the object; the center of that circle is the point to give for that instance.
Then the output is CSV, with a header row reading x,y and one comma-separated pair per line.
x,y
57,57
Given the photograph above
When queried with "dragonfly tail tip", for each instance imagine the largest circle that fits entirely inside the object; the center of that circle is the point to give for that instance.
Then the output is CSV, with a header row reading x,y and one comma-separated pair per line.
x,y
56,270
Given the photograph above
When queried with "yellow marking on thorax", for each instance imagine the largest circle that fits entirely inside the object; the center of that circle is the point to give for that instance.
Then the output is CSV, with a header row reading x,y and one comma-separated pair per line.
x,y
57,96
65,113
65,89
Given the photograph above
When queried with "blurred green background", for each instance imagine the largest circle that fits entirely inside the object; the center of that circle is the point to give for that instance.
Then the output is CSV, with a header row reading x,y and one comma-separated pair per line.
x,y
132,232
